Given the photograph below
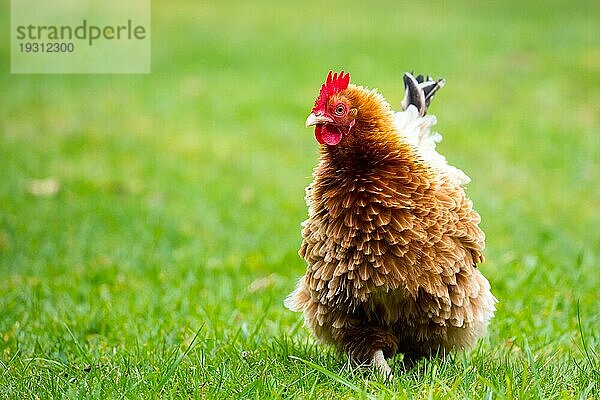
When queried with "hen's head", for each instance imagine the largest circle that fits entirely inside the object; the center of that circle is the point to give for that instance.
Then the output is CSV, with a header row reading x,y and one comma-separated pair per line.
x,y
333,115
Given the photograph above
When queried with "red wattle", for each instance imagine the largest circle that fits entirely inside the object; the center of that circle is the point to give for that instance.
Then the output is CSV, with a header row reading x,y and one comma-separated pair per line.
x,y
319,134
327,134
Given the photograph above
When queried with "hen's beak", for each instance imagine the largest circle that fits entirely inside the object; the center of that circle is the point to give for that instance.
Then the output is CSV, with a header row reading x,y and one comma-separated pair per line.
x,y
316,119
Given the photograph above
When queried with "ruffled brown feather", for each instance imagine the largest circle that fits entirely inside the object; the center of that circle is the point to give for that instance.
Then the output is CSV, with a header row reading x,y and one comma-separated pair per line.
x,y
391,247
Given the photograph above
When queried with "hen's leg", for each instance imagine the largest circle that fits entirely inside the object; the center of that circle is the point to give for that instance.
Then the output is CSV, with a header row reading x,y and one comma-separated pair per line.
x,y
382,366
368,344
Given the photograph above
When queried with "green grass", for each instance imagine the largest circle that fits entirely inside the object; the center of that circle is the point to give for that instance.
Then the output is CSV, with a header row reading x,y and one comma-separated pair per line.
x,y
159,268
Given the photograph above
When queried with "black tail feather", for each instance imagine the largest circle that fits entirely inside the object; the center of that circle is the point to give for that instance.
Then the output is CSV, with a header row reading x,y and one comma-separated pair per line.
x,y
419,91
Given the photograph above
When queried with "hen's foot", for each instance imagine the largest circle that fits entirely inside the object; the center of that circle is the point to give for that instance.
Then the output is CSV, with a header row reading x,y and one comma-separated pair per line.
x,y
382,366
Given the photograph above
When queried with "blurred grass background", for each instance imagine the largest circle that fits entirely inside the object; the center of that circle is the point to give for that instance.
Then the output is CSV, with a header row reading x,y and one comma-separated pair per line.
x,y
180,193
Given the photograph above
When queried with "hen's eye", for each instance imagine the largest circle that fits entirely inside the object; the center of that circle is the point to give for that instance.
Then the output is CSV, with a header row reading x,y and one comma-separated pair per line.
x,y
340,109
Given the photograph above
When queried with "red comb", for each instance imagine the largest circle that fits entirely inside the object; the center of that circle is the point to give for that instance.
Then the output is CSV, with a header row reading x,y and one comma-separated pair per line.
x,y
333,85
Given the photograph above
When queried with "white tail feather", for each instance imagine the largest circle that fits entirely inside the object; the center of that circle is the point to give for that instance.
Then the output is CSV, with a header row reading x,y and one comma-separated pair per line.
x,y
416,131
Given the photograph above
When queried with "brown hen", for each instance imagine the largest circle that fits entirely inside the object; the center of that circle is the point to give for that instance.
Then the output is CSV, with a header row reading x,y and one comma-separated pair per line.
x,y
392,242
